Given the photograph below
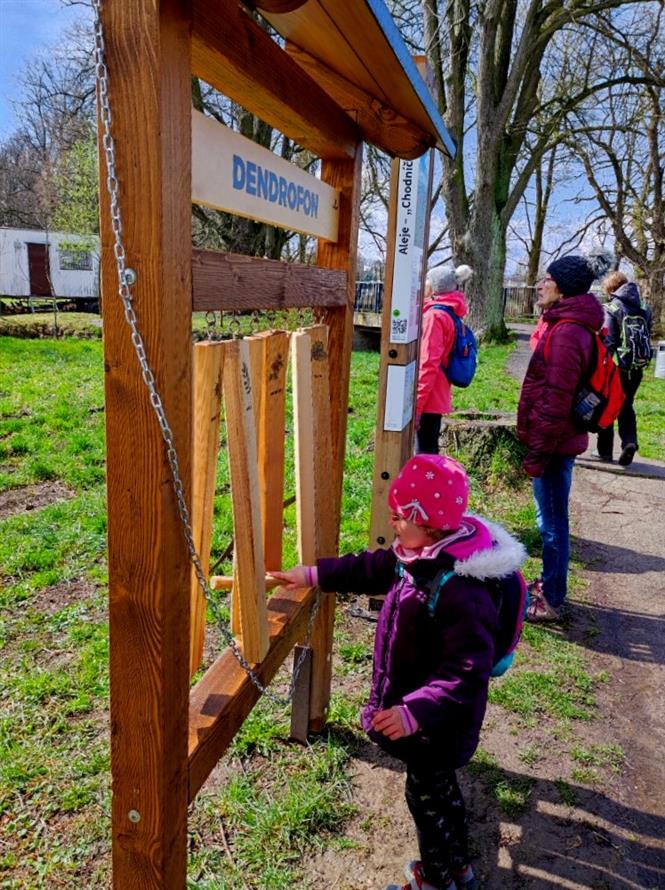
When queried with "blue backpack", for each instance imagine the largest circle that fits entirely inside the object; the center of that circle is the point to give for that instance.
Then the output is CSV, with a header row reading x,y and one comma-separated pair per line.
x,y
510,597
464,354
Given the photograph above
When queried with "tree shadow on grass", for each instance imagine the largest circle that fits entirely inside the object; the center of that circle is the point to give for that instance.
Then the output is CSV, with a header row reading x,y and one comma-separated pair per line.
x,y
633,635
531,833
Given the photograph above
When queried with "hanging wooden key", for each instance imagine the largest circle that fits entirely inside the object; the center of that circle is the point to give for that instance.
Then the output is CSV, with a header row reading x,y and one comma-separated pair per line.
x,y
208,363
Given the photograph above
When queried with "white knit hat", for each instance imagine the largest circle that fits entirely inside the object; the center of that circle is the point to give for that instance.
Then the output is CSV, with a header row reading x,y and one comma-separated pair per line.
x,y
444,279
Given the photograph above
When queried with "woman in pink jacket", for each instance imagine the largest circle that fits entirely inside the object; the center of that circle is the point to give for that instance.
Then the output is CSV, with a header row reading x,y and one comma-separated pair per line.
x,y
434,396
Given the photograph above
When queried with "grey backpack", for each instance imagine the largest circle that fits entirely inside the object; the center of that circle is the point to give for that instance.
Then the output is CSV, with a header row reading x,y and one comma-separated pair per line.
x,y
634,352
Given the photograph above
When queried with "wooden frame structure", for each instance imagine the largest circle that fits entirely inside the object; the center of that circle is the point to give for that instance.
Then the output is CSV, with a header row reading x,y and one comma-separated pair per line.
x,y
165,740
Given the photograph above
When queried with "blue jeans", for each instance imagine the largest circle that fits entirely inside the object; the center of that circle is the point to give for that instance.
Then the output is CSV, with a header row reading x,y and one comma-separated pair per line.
x,y
550,492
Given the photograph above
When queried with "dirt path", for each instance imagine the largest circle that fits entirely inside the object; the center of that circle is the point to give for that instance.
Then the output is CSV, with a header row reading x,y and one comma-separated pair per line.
x,y
606,833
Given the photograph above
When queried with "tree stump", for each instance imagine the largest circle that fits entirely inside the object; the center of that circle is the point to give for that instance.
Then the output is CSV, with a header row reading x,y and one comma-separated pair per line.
x,y
482,438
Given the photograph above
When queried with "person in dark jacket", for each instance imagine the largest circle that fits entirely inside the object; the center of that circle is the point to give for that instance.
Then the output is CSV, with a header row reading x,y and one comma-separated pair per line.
x,y
544,422
431,669
624,300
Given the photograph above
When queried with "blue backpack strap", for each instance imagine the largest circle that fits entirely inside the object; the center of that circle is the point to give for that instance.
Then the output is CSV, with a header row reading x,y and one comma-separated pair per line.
x,y
448,310
437,585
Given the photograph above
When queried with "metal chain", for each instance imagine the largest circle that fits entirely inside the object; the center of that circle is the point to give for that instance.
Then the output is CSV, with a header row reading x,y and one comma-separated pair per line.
x,y
126,278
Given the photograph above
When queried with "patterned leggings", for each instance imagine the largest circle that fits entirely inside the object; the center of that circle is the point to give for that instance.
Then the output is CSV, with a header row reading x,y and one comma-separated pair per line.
x,y
437,806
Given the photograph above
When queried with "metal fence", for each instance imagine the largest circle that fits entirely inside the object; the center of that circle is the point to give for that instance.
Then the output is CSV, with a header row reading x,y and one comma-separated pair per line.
x,y
517,300
369,296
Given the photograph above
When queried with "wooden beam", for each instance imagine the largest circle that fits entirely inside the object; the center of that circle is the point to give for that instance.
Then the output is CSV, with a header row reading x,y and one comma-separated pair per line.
x,y
346,176
235,55
207,397
230,281
225,695
147,51
378,122
280,6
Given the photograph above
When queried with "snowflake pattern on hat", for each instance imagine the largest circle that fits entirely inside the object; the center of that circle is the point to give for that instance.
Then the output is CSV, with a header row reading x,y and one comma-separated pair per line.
x,y
430,490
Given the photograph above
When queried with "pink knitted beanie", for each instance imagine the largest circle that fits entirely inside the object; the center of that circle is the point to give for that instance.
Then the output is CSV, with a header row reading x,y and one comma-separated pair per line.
x,y
431,490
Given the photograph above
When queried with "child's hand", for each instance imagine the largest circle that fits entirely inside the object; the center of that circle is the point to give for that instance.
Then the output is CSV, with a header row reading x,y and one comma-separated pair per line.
x,y
297,577
395,723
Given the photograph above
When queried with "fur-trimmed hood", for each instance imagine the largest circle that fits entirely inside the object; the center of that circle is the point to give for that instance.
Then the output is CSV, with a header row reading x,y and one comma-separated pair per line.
x,y
505,555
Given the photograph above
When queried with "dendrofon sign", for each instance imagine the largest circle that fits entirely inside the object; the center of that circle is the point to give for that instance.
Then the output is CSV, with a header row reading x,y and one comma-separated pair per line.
x,y
232,173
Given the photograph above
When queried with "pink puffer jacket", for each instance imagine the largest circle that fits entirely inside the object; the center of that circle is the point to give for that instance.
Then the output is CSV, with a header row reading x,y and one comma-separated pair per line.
x,y
434,394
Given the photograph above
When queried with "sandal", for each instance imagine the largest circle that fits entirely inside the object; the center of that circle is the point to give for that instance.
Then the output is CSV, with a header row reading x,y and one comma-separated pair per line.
x,y
539,610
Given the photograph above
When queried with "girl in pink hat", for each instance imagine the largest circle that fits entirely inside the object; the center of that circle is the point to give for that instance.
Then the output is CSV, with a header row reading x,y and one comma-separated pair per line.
x,y
438,638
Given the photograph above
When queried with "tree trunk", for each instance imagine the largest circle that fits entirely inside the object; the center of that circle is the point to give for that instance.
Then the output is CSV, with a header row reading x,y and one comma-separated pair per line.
x,y
653,292
488,260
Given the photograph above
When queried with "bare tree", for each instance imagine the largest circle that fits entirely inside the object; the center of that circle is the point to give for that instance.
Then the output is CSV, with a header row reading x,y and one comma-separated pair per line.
x,y
621,144
506,69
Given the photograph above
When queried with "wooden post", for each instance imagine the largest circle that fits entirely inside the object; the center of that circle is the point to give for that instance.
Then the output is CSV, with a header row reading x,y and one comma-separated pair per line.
x,y
345,176
207,397
148,58
250,592
408,225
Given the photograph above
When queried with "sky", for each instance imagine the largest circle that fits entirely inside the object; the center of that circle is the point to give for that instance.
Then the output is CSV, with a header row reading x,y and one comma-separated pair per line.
x,y
26,27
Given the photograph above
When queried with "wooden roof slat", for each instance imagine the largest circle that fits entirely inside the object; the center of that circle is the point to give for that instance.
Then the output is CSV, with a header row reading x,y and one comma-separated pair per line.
x,y
380,123
230,281
359,40
236,56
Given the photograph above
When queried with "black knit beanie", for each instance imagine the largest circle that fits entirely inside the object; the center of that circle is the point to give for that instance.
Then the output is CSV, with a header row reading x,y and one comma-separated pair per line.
x,y
573,275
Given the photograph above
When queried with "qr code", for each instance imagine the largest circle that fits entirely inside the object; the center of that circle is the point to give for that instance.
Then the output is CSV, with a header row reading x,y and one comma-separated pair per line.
x,y
399,325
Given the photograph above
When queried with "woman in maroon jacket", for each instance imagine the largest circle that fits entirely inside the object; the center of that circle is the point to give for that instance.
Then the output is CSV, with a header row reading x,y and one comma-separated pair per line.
x,y
544,421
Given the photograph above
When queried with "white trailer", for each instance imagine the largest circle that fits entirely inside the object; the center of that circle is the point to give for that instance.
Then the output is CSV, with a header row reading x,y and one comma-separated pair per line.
x,y
43,264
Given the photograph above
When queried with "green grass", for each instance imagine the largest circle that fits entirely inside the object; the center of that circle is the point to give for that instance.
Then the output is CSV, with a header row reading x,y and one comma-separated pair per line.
x,y
610,756
549,680
511,794
650,411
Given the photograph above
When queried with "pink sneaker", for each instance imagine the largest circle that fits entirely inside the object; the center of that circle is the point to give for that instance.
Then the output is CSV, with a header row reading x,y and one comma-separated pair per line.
x,y
413,872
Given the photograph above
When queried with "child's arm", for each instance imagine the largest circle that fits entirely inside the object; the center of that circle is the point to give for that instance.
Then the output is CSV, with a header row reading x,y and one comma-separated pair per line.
x,y
362,573
298,576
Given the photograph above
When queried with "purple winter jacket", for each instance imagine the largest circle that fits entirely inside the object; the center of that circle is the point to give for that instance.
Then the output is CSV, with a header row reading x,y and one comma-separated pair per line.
x,y
544,422
439,666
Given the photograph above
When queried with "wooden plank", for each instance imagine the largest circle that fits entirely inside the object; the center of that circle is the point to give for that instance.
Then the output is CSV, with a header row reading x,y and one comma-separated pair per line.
x,y
236,56
231,172
225,695
315,491
379,123
228,281
149,569
207,397
271,445
248,546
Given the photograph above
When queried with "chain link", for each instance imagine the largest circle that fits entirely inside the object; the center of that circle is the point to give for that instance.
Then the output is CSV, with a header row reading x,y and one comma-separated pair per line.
x,y
126,277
